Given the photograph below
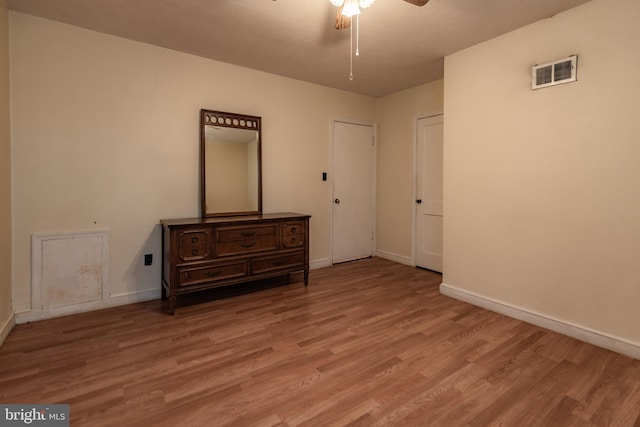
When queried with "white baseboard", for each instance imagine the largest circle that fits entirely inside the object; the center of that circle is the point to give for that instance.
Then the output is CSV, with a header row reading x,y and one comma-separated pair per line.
x,y
112,301
400,259
579,332
6,328
320,263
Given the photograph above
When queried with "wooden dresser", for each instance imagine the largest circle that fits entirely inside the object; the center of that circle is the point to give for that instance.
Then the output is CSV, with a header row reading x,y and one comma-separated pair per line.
x,y
206,253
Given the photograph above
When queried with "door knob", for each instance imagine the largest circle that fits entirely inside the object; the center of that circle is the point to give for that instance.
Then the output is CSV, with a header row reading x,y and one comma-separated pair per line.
x,y
336,201
419,201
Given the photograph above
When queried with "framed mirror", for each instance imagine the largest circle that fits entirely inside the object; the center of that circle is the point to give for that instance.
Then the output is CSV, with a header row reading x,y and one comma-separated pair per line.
x,y
230,164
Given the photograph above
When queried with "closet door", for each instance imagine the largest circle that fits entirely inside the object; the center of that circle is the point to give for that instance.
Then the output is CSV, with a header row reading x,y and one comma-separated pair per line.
x,y
429,215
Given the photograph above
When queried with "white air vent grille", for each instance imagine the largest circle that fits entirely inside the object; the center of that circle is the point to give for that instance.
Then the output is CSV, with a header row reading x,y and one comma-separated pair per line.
x,y
555,73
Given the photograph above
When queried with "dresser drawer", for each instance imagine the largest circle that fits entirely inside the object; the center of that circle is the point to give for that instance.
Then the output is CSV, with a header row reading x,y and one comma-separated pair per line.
x,y
194,236
240,240
291,228
194,252
194,244
293,241
293,235
188,276
266,264
231,234
239,247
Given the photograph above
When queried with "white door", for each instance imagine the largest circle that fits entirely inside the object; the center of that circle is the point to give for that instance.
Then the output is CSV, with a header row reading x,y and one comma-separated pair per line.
x,y
353,191
429,150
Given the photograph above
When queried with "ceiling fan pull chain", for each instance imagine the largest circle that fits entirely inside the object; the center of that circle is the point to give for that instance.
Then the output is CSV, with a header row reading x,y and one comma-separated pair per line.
x,y
351,52
357,35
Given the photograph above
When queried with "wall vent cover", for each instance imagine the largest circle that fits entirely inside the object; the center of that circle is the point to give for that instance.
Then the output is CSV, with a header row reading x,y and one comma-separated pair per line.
x,y
555,73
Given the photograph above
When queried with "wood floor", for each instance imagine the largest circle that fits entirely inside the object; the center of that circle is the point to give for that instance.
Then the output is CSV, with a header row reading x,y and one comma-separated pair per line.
x,y
368,343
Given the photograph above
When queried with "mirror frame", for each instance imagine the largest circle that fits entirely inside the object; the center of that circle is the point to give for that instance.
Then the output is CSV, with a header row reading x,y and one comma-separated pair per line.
x,y
230,120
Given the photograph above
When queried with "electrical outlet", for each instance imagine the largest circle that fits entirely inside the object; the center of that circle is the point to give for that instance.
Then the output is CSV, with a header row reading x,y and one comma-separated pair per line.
x,y
148,259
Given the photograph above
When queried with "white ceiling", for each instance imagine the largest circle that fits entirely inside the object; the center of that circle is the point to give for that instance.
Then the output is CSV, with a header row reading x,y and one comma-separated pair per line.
x,y
401,45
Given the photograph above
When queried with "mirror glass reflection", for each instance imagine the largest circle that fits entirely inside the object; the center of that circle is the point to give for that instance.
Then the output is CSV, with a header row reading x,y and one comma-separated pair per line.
x,y
232,169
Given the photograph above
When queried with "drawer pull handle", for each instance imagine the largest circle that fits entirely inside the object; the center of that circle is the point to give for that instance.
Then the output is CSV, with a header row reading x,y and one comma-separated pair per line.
x,y
248,233
194,239
194,252
248,245
212,273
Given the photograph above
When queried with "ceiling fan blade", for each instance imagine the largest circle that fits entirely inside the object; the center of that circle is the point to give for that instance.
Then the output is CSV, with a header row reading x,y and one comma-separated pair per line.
x,y
343,21
417,2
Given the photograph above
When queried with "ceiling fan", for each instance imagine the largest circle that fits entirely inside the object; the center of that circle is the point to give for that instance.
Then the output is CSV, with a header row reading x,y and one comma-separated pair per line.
x,y
348,8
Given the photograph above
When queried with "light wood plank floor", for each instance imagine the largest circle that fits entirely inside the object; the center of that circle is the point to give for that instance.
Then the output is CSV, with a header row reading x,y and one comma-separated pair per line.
x,y
368,343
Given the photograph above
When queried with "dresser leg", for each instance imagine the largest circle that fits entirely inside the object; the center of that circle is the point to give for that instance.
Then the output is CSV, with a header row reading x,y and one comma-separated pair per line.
x,y
306,277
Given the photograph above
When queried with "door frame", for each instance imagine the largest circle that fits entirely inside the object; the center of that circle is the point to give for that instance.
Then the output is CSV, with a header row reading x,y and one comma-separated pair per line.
x,y
414,186
374,175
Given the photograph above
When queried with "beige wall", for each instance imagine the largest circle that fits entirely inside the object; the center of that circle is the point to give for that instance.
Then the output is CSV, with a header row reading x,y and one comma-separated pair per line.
x,y
6,313
105,135
397,116
541,187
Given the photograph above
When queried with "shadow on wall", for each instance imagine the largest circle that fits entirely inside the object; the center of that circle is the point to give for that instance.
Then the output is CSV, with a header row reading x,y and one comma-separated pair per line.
x,y
145,279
